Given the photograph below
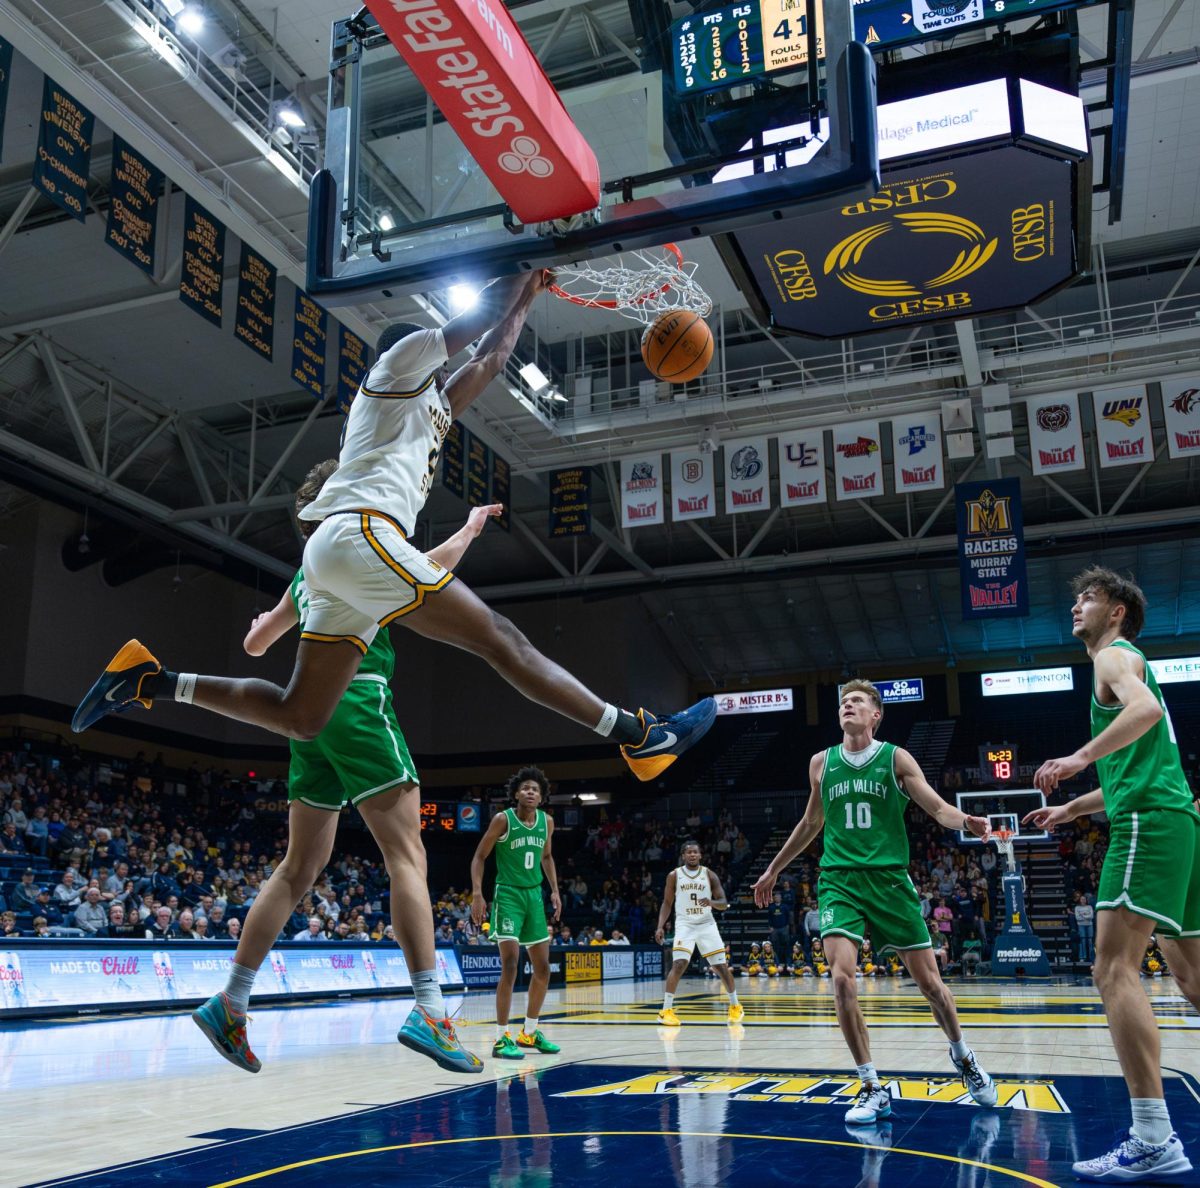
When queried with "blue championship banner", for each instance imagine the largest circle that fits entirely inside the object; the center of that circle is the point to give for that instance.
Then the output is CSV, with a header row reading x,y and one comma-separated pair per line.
x,y
133,206
454,454
254,320
501,489
353,365
64,151
570,502
6,53
309,343
991,549
202,282
478,456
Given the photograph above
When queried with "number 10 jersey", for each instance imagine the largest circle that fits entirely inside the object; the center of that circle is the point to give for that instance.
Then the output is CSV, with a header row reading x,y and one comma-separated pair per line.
x,y
864,809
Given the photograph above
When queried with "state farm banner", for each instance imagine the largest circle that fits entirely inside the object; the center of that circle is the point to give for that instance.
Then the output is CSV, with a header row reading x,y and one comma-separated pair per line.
x,y
1123,435
747,476
641,490
1055,434
693,490
802,468
857,460
1181,412
917,452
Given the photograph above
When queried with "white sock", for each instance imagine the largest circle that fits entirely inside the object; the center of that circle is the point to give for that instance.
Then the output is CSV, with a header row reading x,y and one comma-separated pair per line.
x,y
732,997
185,686
668,1001
1151,1122
530,1024
237,989
608,720
428,993
959,1049
867,1074
501,1031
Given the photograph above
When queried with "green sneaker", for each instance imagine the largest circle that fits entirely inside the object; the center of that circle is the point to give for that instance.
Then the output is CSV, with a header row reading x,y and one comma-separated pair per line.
x,y
538,1042
505,1049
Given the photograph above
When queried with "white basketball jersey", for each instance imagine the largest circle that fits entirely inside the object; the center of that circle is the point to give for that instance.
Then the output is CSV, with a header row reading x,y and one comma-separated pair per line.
x,y
690,888
393,436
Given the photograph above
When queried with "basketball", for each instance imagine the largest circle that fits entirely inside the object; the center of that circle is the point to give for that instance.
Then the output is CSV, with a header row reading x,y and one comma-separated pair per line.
x,y
677,346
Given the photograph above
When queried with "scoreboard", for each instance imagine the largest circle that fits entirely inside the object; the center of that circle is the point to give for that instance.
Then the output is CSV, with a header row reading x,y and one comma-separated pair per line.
x,y
450,816
998,763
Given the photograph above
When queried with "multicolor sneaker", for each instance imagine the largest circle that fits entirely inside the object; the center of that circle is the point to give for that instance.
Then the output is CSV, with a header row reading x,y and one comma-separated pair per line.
x,y
980,1086
505,1049
119,686
226,1031
435,1038
668,1018
537,1042
873,1103
737,1013
665,739
1132,1159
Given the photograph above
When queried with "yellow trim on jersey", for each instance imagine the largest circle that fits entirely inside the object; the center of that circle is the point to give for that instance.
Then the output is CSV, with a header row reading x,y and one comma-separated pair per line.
x,y
315,638
374,511
419,588
400,395
714,952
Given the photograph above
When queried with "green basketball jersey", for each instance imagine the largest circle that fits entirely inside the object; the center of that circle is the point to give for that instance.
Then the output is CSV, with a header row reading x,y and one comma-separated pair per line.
x,y
519,851
380,658
1146,774
864,809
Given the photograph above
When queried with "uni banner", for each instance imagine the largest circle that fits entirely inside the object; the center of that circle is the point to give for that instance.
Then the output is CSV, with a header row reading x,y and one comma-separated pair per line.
x,y
133,206
1123,435
570,502
747,476
6,55
857,460
64,151
309,345
1055,434
254,321
917,453
802,467
352,366
478,458
693,494
454,455
641,490
1181,412
991,549
202,282
501,489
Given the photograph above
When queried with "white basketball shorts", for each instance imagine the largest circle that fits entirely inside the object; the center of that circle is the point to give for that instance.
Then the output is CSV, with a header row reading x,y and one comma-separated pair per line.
x,y
705,937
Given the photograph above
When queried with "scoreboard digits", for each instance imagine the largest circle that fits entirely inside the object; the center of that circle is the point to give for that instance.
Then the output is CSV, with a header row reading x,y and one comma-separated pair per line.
x,y
440,816
998,763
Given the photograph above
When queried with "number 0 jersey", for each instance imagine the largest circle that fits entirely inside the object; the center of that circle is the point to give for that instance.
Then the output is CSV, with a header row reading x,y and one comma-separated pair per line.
x,y
864,809
691,886
519,851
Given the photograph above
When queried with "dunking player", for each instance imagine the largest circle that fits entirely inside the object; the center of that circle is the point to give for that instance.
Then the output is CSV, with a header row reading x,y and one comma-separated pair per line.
x,y
859,793
521,837
360,758
363,574
695,893
1150,881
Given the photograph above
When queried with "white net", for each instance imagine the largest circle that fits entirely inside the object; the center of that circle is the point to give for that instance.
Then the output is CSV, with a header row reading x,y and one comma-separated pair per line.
x,y
660,281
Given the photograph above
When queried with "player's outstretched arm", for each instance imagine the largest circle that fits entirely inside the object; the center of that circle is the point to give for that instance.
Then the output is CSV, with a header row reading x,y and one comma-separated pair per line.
x,y
719,901
487,843
450,552
270,626
495,302
916,786
551,871
1052,816
801,837
664,912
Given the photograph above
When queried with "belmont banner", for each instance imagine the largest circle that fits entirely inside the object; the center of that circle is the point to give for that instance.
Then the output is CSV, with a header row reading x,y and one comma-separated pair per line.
x,y
1123,434
917,453
133,196
202,281
641,490
64,151
802,468
309,345
1055,434
570,502
354,361
991,549
1181,412
857,460
6,55
747,476
693,489
501,489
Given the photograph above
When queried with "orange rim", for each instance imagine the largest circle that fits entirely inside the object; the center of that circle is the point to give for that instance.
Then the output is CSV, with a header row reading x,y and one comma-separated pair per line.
x,y
604,303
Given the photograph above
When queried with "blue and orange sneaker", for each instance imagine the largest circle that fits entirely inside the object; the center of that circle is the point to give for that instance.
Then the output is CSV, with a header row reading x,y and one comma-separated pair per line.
x,y
120,686
435,1038
226,1031
667,738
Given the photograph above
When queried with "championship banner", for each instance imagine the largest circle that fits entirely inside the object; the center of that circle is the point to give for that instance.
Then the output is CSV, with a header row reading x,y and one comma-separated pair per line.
x,y
354,361
501,490
802,468
747,476
991,549
309,345
857,460
641,490
1055,434
693,491
6,55
133,206
202,281
454,460
1123,434
254,320
478,458
570,502
1181,412
64,151
917,453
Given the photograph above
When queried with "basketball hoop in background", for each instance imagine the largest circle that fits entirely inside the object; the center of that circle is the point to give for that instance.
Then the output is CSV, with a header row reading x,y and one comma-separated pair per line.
x,y
1003,839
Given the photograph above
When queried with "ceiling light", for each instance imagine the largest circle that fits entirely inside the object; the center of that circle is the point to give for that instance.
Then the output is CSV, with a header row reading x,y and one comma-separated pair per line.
x,y
557,396
384,219
290,117
462,297
532,374
190,21
587,796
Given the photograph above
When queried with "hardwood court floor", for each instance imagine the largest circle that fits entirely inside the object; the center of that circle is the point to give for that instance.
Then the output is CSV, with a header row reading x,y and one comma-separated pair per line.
x,y
339,1100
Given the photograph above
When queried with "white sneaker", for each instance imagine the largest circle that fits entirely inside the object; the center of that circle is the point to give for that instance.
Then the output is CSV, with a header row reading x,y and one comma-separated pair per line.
x,y
980,1086
1132,1159
872,1103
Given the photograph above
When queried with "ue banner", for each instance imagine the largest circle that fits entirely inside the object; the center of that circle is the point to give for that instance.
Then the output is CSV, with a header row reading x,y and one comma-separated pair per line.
x,y
6,53
991,549
202,282
133,206
64,152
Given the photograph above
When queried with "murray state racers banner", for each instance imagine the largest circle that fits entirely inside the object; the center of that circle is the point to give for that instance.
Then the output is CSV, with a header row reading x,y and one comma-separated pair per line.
x,y
693,493
991,549
917,452
641,490
747,476
802,468
1055,434
1123,436
857,460
1181,412
64,151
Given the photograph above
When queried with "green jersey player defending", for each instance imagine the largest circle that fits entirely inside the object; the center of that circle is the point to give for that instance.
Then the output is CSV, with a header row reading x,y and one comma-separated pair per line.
x,y
521,837
1150,881
859,793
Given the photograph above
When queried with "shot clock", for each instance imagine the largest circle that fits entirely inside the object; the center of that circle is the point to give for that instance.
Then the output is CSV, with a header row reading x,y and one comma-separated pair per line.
x,y
998,763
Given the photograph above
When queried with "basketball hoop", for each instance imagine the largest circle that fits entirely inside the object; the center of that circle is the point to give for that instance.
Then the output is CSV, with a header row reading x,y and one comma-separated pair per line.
x,y
663,282
1003,839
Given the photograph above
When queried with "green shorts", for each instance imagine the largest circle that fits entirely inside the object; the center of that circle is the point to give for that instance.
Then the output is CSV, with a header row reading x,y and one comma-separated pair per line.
x,y
882,900
360,753
1152,867
518,915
